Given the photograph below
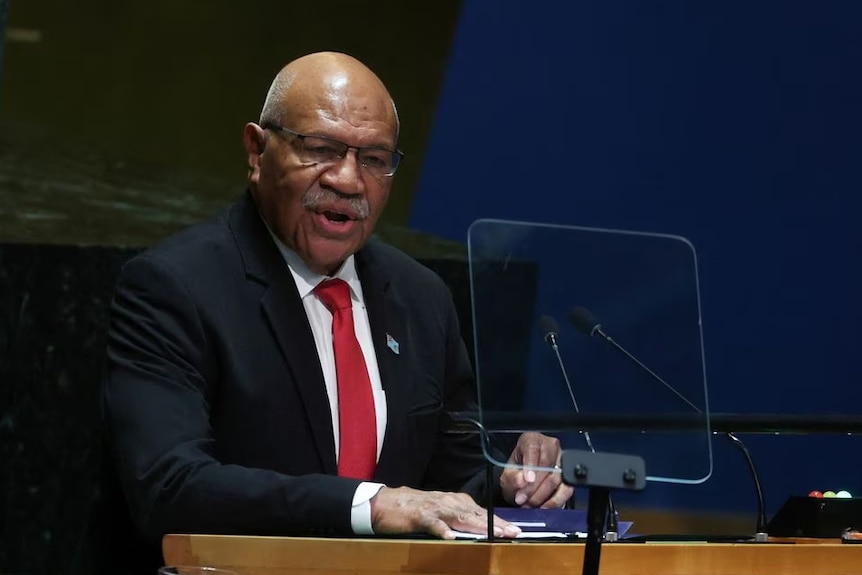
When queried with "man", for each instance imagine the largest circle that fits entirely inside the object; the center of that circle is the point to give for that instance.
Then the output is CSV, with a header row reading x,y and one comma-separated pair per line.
x,y
229,404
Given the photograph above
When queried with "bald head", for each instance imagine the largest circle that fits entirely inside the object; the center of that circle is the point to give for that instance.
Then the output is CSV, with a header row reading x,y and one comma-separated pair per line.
x,y
323,200
330,80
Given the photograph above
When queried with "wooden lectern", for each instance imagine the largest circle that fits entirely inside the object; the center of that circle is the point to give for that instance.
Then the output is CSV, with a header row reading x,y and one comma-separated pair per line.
x,y
313,556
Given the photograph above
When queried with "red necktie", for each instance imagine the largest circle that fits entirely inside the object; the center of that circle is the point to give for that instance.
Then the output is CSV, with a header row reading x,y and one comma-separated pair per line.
x,y
357,424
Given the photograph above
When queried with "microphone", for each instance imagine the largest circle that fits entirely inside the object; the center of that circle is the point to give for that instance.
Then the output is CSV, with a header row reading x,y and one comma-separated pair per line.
x,y
587,324
550,332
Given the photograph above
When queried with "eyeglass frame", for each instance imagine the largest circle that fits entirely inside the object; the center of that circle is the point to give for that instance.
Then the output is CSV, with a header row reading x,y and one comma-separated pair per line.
x,y
397,155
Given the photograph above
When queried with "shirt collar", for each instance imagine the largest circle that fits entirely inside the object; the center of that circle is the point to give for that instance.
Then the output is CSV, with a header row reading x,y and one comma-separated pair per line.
x,y
306,280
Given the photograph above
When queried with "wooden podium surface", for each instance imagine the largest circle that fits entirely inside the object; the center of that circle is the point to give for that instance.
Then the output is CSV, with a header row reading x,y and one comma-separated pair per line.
x,y
312,556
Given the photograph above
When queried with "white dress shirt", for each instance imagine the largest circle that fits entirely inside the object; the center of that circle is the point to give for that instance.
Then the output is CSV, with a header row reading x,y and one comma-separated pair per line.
x,y
320,319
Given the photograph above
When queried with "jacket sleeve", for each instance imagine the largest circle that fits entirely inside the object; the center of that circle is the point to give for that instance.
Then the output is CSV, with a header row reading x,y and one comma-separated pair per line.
x,y
160,381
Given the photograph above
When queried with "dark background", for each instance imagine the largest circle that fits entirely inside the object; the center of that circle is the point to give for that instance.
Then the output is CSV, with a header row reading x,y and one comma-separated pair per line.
x,y
121,122
734,124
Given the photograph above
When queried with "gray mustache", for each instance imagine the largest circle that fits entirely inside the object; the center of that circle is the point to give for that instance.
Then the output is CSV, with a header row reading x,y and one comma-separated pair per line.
x,y
314,198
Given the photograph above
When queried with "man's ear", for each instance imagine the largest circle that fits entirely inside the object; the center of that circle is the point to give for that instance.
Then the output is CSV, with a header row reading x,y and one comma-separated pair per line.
x,y
254,140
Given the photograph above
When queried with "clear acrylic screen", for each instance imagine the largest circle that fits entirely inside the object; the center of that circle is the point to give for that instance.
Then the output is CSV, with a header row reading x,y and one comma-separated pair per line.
x,y
643,290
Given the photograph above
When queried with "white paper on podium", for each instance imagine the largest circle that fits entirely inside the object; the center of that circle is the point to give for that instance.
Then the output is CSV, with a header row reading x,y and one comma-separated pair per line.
x,y
545,523
526,535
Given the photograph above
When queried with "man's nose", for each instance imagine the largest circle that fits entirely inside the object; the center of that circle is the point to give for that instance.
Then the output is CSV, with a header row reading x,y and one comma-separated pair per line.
x,y
345,175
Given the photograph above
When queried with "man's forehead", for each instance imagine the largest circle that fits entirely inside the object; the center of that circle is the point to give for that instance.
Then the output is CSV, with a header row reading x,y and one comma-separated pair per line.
x,y
340,101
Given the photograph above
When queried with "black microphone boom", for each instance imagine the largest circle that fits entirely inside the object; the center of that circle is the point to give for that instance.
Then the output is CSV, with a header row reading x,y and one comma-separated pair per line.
x,y
587,323
550,331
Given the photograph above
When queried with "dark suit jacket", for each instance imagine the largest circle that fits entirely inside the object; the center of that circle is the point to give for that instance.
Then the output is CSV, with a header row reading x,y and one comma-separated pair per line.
x,y
215,409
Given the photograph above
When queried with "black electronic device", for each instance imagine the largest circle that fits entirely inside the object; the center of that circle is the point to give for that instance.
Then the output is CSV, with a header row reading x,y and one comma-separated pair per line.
x,y
816,517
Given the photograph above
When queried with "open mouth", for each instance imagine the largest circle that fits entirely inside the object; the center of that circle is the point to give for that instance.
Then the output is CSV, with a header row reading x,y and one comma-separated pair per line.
x,y
336,216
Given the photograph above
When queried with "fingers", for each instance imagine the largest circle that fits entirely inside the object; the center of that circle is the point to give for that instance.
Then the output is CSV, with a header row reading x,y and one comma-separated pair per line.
x,y
475,520
531,450
528,487
405,510
559,497
537,494
537,450
439,528
547,492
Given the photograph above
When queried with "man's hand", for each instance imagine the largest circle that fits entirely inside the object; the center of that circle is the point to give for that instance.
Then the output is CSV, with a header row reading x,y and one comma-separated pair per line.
x,y
406,510
529,488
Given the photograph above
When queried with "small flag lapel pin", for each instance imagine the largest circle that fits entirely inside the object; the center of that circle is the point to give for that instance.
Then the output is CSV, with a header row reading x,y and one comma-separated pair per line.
x,y
392,344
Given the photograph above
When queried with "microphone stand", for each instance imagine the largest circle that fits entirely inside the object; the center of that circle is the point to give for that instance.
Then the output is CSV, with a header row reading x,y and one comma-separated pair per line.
x,y
760,534
550,333
582,319
600,472
598,503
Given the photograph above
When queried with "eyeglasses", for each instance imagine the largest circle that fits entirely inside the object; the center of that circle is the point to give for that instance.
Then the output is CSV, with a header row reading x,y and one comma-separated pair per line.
x,y
378,162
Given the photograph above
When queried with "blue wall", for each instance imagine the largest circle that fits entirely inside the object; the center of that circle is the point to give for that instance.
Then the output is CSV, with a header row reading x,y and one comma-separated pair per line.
x,y
735,124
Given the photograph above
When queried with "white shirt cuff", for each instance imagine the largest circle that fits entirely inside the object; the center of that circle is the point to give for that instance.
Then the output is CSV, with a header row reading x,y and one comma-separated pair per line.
x,y
360,512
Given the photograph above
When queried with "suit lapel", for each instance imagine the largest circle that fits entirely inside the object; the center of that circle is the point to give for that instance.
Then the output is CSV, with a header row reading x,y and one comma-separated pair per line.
x,y
387,317
288,321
